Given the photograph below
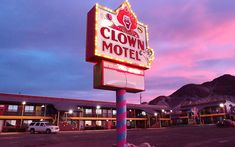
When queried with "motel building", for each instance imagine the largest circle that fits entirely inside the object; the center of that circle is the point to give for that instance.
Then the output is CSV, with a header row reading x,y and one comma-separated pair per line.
x,y
205,111
18,111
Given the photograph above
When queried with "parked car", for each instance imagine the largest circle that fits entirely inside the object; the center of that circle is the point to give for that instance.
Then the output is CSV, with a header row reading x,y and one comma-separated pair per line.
x,y
225,123
43,127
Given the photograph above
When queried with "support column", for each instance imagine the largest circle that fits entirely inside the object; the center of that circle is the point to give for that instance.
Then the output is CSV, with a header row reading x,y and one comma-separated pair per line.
x,y
121,118
58,118
135,117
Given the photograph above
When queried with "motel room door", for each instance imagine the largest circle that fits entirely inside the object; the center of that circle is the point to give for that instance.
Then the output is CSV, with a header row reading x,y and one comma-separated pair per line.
x,y
81,124
2,108
1,125
39,111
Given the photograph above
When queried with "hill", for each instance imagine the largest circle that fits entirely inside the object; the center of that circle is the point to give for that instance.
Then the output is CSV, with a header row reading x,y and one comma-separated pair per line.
x,y
222,87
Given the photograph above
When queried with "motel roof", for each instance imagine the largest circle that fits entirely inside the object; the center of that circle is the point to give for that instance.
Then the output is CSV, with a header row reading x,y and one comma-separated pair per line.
x,y
203,102
64,104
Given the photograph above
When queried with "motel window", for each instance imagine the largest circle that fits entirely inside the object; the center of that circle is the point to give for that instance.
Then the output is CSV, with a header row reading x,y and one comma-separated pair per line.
x,y
98,123
114,112
37,124
2,106
98,111
88,111
109,113
114,123
12,108
27,122
29,109
87,123
31,124
10,122
105,112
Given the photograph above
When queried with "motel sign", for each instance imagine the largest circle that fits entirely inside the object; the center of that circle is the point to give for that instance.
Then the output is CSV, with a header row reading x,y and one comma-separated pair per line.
x,y
118,43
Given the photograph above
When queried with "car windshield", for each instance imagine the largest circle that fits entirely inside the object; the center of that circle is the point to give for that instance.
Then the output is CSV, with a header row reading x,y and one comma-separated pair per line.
x,y
32,124
48,124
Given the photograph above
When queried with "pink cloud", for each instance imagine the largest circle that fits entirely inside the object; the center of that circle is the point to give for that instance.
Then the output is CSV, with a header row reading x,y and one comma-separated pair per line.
x,y
206,40
210,45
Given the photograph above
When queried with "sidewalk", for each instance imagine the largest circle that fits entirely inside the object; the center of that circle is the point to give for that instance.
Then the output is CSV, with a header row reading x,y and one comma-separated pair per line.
x,y
11,133
81,131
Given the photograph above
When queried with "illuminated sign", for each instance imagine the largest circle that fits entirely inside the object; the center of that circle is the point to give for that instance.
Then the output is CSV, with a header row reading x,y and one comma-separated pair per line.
x,y
117,36
111,76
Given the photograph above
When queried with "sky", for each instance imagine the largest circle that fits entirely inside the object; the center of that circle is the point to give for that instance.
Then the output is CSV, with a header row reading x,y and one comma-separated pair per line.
x,y
42,46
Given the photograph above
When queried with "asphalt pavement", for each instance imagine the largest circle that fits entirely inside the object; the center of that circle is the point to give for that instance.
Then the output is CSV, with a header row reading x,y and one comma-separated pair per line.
x,y
190,136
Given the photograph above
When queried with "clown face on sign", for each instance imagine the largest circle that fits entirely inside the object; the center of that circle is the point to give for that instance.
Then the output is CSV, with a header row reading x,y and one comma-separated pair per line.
x,y
126,22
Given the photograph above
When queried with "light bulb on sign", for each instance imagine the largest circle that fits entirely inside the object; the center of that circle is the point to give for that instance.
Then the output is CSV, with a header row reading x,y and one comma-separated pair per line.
x,y
122,67
132,70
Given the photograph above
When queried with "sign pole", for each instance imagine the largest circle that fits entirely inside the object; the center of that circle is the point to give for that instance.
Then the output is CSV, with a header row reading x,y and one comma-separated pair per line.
x,y
121,118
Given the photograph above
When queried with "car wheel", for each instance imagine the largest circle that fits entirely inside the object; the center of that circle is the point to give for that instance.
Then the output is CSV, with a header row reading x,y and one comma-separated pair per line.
x,y
48,131
32,131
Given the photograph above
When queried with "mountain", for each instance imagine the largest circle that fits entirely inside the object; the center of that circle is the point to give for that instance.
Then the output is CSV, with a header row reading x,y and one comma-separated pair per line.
x,y
221,87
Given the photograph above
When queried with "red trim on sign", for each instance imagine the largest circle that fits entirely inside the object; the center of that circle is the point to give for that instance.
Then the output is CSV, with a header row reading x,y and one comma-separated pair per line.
x,y
102,71
113,87
123,71
90,34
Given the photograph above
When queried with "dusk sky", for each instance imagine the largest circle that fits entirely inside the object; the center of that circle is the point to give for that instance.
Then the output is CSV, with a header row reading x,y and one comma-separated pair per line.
x,y
42,46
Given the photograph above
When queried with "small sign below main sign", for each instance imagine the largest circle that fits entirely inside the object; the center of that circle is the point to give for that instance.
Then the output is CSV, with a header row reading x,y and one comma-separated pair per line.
x,y
117,36
112,76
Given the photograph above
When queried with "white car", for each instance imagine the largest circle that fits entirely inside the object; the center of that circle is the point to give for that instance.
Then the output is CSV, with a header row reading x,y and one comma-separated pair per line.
x,y
43,127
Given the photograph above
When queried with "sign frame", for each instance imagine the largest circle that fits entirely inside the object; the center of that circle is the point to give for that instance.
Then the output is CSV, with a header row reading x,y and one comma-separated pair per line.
x,y
92,51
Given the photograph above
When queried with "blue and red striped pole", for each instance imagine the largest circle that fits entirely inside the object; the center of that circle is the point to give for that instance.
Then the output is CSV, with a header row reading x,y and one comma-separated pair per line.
x,y
121,118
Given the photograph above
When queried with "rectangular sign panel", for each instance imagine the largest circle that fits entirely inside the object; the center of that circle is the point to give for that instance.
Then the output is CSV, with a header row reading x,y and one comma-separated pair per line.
x,y
111,76
117,36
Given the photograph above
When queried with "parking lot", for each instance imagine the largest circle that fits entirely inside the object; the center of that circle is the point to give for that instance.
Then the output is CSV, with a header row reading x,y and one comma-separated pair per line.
x,y
194,136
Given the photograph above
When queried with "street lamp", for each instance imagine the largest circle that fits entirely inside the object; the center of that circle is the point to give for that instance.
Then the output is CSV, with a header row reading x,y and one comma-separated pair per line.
x,y
221,105
155,114
45,109
98,107
70,111
22,113
79,111
143,113
97,110
66,114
